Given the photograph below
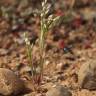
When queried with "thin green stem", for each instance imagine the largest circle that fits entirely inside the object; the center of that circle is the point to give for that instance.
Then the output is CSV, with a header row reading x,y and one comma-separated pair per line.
x,y
29,54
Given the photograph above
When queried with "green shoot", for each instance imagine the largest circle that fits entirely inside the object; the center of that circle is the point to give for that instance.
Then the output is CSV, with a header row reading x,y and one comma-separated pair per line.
x,y
47,22
29,49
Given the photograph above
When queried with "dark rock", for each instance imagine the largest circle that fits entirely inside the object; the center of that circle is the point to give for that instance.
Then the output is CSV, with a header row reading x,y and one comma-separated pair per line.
x,y
59,91
87,75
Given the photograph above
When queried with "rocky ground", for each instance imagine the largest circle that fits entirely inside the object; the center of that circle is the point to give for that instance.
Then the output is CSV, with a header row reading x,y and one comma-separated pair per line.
x,y
70,60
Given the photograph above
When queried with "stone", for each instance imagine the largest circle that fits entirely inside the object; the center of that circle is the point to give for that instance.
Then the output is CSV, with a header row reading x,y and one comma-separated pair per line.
x,y
30,94
10,83
58,90
3,52
87,75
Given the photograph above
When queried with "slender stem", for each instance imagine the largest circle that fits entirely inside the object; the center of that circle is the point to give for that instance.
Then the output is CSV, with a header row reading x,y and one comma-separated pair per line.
x,y
42,43
29,53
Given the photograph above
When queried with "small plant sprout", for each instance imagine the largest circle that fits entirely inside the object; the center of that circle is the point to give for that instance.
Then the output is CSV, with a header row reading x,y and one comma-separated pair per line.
x,y
29,49
47,22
